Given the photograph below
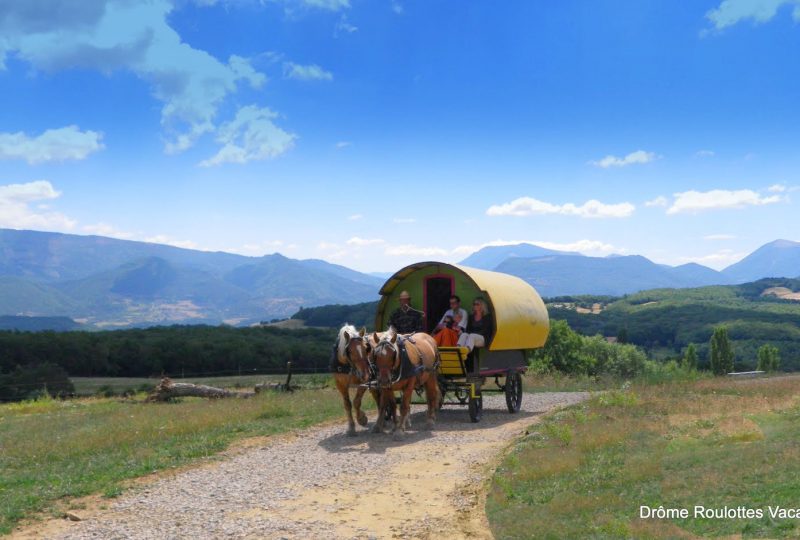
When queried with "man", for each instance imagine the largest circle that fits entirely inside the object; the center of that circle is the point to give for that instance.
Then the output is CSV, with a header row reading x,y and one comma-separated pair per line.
x,y
455,308
405,319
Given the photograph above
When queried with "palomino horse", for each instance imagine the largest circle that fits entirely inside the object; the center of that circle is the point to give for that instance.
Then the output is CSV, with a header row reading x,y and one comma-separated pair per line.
x,y
352,368
403,363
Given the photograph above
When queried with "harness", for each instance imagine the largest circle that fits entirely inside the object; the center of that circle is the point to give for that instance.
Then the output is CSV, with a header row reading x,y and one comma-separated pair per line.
x,y
349,367
405,369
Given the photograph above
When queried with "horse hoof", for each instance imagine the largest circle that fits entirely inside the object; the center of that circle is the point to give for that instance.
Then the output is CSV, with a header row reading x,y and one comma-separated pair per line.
x,y
351,432
362,419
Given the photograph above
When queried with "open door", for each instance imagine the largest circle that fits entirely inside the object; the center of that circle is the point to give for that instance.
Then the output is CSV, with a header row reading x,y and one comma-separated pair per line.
x,y
438,290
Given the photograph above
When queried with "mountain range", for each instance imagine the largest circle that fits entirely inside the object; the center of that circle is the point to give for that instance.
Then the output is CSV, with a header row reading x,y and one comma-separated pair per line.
x,y
105,282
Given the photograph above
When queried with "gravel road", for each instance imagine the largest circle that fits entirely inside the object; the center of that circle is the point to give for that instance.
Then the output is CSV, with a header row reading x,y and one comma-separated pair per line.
x,y
319,483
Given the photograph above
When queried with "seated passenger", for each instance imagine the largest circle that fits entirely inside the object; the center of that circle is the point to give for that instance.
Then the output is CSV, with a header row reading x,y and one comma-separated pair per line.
x,y
447,335
479,327
455,309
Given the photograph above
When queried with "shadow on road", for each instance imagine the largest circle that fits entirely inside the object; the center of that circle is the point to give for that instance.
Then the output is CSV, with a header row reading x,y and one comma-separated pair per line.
x,y
448,419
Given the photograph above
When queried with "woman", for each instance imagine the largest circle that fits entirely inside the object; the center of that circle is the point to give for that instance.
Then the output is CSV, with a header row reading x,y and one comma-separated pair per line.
x,y
479,326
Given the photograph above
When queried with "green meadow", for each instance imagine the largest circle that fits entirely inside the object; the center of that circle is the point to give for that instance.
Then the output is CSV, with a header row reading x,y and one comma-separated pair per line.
x,y
585,471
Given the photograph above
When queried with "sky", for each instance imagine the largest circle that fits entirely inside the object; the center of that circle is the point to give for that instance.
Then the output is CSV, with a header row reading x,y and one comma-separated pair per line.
x,y
376,133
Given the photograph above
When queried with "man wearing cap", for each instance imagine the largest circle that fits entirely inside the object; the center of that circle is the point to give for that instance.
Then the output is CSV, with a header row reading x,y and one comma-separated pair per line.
x,y
406,319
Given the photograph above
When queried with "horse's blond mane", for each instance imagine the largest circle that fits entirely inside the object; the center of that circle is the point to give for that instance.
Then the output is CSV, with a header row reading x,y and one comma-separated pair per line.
x,y
342,343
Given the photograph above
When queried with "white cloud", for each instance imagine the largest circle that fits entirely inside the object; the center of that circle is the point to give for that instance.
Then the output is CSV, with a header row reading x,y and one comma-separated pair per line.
x,y
658,201
717,260
252,135
719,237
587,247
397,7
716,199
344,26
343,144
110,35
704,153
640,156
414,250
361,242
305,73
327,246
730,12
104,229
527,206
330,5
168,240
16,211
53,145
776,188
404,220
355,217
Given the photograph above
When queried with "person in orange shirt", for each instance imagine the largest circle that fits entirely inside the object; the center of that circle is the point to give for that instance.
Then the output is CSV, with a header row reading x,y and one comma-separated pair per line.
x,y
447,335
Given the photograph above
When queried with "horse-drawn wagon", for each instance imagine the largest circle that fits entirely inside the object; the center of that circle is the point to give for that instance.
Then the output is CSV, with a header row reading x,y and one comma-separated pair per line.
x,y
519,323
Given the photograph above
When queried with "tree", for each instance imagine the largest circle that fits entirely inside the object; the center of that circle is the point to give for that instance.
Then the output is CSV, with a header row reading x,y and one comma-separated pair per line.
x,y
563,351
768,358
690,358
721,351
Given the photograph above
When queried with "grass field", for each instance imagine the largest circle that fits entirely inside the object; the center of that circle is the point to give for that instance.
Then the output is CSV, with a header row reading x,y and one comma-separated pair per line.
x,y
585,471
52,451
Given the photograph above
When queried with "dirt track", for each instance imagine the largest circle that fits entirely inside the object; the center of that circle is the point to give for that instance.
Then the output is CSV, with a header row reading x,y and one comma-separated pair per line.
x,y
320,483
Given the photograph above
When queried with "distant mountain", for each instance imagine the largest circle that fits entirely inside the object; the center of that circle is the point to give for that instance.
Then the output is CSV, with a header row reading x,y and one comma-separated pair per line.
x,y
110,282
490,257
37,324
780,258
559,275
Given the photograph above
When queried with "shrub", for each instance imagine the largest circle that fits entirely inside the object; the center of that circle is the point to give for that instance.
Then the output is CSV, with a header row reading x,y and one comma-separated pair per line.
x,y
26,382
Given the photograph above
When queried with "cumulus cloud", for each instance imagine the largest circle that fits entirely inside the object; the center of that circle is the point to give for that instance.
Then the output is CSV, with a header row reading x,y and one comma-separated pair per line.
x,y
310,72
343,144
414,250
110,35
16,210
361,242
252,135
700,201
658,201
730,12
718,260
587,247
527,206
640,156
104,229
776,188
168,240
344,26
53,145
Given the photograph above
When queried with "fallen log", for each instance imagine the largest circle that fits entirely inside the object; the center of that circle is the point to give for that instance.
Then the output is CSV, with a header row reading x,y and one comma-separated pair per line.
x,y
167,389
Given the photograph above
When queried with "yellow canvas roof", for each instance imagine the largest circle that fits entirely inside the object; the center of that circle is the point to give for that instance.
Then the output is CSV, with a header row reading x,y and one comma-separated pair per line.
x,y
520,316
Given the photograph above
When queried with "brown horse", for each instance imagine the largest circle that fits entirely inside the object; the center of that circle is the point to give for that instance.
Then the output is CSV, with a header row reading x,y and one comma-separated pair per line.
x,y
405,371
352,368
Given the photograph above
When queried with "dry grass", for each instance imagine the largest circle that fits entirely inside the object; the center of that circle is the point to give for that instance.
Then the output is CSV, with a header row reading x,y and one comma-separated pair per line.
x,y
711,442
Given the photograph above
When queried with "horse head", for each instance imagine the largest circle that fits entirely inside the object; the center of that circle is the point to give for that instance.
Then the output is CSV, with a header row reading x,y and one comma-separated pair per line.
x,y
353,347
386,357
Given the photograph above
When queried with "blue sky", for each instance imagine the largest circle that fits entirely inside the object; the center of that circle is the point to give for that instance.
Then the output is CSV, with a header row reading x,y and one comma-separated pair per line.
x,y
377,133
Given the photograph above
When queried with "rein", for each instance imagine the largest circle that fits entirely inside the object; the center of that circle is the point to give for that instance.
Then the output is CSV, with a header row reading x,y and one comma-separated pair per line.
x,y
350,361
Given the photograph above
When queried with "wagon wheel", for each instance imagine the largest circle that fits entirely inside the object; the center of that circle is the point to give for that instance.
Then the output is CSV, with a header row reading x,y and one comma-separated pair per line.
x,y
475,408
513,389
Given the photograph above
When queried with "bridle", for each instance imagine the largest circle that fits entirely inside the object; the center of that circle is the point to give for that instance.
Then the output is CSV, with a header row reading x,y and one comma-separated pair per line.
x,y
382,344
350,361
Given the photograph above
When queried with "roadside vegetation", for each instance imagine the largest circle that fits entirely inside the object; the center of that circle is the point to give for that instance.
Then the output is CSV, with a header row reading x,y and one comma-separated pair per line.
x,y
53,451
585,471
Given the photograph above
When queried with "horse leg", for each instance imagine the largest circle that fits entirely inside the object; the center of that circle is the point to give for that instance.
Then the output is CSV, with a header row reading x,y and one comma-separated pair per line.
x,y
405,409
342,384
380,399
433,397
360,416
